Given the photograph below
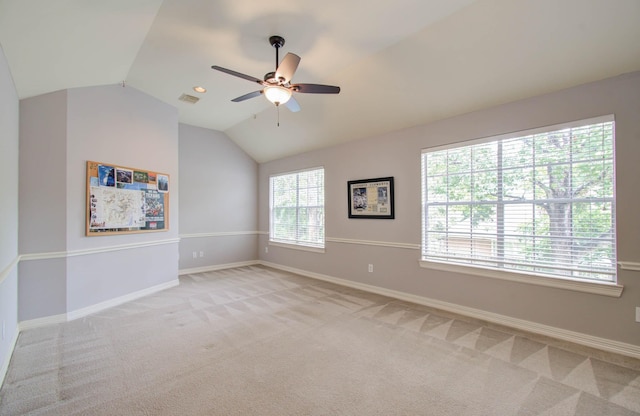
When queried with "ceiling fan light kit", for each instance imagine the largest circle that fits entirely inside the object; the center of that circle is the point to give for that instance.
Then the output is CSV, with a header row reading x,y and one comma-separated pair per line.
x,y
277,85
277,94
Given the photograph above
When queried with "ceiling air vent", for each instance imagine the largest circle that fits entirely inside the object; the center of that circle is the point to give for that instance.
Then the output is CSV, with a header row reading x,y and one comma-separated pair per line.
x,y
189,98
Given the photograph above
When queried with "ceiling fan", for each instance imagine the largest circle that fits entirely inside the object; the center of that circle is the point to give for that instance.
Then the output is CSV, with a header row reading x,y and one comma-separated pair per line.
x,y
277,85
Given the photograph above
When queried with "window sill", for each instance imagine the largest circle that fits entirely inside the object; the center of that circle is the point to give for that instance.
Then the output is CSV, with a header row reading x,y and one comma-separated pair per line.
x,y
297,247
604,288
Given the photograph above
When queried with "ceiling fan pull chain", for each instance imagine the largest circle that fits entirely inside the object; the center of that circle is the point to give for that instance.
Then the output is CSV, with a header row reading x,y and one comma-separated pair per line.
x,y
278,110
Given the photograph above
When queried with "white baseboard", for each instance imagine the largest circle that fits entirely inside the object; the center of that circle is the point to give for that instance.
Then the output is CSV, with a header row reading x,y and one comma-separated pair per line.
x,y
7,358
40,322
603,344
79,313
218,267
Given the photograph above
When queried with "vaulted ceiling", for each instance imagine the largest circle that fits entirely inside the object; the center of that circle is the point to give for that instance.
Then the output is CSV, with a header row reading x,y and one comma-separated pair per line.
x,y
399,63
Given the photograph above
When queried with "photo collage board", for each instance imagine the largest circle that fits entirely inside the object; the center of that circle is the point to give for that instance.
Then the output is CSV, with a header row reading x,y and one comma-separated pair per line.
x,y
124,200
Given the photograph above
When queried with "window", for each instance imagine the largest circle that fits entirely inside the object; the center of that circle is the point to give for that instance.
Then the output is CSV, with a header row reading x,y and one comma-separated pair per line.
x,y
538,202
297,208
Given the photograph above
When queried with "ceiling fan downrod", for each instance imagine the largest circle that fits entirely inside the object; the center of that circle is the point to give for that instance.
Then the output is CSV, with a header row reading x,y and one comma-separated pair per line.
x,y
277,42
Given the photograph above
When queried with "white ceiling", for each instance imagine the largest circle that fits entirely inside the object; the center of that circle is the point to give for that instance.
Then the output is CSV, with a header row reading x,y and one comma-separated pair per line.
x,y
399,63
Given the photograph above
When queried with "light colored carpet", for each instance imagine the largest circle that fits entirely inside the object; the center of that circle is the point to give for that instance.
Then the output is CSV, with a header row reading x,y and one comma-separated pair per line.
x,y
257,341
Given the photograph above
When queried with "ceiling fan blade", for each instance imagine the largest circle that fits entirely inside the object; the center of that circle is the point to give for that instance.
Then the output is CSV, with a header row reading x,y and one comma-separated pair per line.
x,y
288,67
237,74
316,88
247,96
292,105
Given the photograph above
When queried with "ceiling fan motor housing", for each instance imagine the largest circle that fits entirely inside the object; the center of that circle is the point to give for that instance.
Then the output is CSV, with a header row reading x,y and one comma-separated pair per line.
x,y
270,78
276,41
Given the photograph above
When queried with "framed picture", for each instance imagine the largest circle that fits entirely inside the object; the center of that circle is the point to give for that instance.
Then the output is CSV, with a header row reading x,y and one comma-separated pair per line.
x,y
371,198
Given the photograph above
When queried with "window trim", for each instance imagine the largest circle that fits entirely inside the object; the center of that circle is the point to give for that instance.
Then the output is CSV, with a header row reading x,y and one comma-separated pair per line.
x,y
608,288
588,286
519,133
301,247
306,246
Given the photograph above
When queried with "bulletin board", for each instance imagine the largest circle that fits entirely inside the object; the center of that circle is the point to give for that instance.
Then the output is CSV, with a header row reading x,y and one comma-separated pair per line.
x,y
123,200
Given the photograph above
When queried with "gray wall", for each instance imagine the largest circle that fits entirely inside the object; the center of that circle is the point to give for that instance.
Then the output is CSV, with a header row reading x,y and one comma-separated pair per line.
x,y
64,270
43,203
218,196
9,122
398,153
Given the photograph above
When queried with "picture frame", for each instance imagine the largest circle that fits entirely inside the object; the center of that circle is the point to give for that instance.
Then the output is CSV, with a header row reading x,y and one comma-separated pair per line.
x,y
371,198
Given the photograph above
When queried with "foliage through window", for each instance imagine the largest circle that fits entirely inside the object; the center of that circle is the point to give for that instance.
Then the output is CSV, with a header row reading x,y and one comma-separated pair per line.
x,y
539,202
297,208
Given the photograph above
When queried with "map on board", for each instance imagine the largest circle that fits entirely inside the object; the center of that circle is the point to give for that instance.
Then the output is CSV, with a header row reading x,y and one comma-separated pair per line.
x,y
117,208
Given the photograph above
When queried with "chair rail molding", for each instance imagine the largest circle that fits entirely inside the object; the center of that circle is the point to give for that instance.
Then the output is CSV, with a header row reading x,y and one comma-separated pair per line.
x,y
89,251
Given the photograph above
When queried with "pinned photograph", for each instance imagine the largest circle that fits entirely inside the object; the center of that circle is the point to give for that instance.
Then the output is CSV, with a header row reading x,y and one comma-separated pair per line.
x,y
124,175
142,177
163,183
106,175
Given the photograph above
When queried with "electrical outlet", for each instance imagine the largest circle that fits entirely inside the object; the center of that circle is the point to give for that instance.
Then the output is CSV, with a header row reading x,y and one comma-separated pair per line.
x,y
195,255
370,268
202,254
637,313
266,249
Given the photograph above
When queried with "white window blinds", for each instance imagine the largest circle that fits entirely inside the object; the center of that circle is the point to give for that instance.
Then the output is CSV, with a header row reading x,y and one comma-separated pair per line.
x,y
297,208
540,202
